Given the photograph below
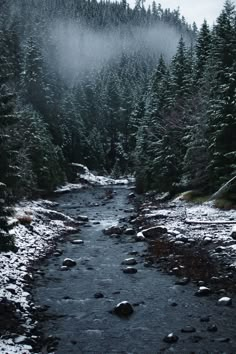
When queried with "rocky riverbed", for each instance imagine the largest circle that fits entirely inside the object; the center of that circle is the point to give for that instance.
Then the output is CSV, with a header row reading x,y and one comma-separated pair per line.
x,y
116,288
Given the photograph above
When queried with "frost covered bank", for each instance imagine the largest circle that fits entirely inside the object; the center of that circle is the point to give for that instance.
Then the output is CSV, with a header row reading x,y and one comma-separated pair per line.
x,y
35,231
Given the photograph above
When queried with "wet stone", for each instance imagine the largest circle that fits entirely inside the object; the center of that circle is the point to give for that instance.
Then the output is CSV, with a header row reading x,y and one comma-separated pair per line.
x,y
113,230
203,291
77,242
233,233
188,329
129,231
124,309
129,261
64,268
98,295
68,262
171,338
82,218
225,301
222,340
130,270
212,328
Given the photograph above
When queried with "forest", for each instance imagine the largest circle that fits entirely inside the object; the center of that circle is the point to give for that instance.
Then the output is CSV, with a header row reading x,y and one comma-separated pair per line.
x,y
120,90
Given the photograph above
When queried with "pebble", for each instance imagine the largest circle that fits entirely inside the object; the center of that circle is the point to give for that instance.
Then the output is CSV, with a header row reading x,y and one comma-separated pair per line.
x,y
77,242
63,268
82,218
203,291
124,308
171,338
222,340
225,301
129,261
140,237
129,231
68,262
130,270
207,240
188,329
212,328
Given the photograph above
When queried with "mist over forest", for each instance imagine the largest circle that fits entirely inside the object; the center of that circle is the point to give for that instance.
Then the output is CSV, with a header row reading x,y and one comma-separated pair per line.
x,y
81,50
120,90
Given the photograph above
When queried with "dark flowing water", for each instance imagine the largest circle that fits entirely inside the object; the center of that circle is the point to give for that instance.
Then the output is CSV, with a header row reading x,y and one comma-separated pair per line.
x,y
84,324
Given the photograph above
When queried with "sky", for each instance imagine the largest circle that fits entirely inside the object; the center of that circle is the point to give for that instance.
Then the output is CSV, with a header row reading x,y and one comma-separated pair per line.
x,y
192,10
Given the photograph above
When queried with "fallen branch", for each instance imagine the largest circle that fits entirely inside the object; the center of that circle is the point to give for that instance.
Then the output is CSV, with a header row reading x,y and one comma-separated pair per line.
x,y
224,189
208,222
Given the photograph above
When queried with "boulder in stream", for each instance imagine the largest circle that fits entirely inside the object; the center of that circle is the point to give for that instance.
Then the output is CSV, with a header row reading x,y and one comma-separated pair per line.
x,y
77,242
68,262
129,261
225,301
113,230
82,218
124,309
233,232
130,270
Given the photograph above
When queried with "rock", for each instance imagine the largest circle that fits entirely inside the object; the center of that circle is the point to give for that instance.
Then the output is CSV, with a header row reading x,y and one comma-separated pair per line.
x,y
77,242
233,232
129,231
183,281
82,218
222,340
129,261
207,240
130,270
182,238
154,231
171,338
212,328
131,195
98,295
113,230
124,308
179,243
140,237
68,262
203,291
225,301
64,268
188,329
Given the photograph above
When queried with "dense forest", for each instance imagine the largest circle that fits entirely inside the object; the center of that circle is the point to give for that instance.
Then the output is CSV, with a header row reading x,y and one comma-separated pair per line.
x,y
120,90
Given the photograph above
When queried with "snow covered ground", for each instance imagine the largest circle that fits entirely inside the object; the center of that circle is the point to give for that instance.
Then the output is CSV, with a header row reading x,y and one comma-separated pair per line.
x,y
36,228
191,223
89,178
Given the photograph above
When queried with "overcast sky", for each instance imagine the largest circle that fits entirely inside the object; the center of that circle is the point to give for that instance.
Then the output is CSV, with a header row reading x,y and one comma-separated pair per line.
x,y
192,10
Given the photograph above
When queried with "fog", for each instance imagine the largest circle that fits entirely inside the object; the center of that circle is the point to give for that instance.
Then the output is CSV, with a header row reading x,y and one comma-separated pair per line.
x,y
80,50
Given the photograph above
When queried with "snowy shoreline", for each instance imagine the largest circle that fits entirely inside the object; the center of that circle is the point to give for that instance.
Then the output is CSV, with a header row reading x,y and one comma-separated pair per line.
x,y
37,228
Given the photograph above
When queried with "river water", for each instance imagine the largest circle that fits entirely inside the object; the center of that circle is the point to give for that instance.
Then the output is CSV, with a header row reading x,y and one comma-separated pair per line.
x,y
84,324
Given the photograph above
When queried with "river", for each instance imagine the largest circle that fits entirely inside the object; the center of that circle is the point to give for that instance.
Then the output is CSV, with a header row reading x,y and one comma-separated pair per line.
x,y
84,324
